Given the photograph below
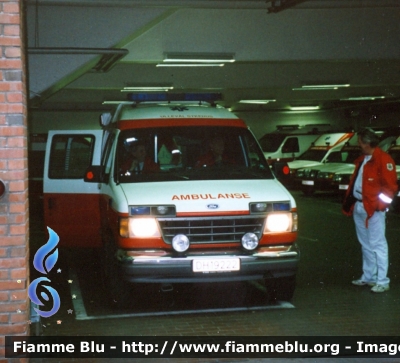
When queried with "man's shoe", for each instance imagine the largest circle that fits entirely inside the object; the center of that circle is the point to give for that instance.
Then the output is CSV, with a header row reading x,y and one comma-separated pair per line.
x,y
380,288
360,282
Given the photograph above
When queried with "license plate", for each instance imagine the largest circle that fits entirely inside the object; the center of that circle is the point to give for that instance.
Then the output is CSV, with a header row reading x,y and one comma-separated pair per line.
x,y
216,265
307,182
343,186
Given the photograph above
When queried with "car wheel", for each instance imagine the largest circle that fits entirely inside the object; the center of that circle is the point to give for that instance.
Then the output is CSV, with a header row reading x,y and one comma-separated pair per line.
x,y
281,289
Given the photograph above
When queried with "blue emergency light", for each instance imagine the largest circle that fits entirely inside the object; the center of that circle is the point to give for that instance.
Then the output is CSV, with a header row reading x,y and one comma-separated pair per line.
x,y
167,97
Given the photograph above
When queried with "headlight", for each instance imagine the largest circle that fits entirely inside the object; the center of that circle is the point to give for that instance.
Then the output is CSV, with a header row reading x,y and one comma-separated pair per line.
x,y
258,207
325,175
337,178
139,227
281,222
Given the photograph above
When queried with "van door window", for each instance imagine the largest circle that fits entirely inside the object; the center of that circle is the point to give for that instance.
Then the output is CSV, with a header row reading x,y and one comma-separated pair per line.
x,y
291,145
70,156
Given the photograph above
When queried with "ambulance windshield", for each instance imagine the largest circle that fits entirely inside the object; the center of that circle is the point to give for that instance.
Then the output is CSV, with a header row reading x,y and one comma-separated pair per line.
x,y
189,153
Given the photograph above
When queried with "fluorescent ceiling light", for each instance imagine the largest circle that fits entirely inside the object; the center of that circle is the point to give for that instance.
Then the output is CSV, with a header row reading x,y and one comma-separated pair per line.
x,y
114,102
313,87
190,65
362,98
146,88
259,102
304,108
198,58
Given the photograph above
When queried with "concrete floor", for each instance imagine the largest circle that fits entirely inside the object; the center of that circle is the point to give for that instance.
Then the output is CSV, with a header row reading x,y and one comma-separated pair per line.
x,y
325,302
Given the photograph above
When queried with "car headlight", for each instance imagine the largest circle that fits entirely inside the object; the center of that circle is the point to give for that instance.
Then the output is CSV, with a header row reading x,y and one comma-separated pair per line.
x,y
139,227
326,175
337,178
281,222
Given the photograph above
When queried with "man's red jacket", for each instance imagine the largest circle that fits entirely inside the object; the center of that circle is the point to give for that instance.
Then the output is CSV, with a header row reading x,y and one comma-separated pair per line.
x,y
379,184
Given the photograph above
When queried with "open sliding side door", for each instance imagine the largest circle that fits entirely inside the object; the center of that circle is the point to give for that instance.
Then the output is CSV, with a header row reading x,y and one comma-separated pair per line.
x,y
71,206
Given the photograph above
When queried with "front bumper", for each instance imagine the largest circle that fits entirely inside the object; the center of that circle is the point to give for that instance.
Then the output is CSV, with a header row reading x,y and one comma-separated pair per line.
x,y
267,262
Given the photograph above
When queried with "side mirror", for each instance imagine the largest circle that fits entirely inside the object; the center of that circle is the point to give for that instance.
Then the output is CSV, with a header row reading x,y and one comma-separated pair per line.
x,y
105,119
94,174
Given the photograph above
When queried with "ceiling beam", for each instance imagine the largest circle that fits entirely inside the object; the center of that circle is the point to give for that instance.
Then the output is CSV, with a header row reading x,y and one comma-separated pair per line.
x,y
279,5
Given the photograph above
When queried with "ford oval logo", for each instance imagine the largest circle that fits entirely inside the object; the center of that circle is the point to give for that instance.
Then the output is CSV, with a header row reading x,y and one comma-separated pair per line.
x,y
212,206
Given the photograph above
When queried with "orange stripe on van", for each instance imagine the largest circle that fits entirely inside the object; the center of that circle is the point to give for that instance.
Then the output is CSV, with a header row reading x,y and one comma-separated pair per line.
x,y
344,137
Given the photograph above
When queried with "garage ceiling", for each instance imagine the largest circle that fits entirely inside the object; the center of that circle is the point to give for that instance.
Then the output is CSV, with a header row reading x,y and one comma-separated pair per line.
x,y
82,53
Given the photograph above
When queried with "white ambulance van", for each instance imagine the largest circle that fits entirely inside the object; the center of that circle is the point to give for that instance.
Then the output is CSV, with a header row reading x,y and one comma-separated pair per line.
x,y
172,192
289,142
326,148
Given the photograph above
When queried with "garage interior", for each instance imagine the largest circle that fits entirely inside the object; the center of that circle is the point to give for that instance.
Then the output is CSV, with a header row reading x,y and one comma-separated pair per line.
x,y
276,63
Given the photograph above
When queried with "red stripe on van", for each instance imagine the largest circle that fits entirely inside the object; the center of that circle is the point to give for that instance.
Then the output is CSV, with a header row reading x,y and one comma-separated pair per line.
x,y
196,214
184,121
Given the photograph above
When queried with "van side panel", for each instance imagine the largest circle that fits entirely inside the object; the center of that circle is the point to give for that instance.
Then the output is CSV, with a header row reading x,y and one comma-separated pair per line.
x,y
75,218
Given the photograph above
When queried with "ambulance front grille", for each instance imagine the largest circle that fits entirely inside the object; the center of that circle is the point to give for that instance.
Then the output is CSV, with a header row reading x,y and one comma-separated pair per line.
x,y
211,230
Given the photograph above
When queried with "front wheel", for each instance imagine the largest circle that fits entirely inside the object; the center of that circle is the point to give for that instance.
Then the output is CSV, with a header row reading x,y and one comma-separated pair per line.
x,y
281,289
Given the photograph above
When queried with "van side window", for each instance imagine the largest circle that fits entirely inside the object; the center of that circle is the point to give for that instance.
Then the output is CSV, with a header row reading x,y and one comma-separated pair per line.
x,y
70,156
291,145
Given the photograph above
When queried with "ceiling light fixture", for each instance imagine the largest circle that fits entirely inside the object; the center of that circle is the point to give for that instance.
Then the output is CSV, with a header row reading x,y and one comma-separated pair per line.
x,y
362,98
196,59
114,102
190,65
257,102
304,108
146,88
314,87
199,58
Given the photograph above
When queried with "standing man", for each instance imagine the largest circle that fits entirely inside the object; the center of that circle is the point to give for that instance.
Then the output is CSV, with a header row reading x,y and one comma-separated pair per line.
x,y
371,190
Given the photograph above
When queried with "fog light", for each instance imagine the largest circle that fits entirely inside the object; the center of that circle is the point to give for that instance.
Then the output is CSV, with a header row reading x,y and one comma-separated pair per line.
x,y
250,241
180,243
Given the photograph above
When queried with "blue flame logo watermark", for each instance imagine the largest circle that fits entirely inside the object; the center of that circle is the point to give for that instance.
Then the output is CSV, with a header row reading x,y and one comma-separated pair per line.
x,y
43,261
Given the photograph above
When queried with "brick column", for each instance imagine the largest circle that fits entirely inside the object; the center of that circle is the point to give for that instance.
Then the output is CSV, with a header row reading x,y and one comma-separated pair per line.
x,y
14,207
